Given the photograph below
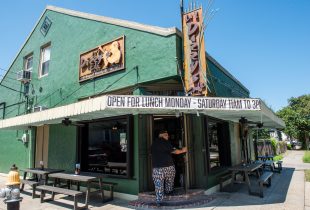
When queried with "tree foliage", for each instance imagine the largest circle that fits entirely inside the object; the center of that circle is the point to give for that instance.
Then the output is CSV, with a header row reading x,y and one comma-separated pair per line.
x,y
297,117
261,133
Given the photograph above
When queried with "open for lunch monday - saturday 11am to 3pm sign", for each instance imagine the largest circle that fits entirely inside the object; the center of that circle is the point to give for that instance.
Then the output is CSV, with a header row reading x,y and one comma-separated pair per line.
x,y
174,102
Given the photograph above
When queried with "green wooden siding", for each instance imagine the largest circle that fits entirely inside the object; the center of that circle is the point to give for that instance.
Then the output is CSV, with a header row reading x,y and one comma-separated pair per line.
x,y
148,57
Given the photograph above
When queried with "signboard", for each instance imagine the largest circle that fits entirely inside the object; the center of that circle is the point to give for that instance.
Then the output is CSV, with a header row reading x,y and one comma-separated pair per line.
x,y
104,59
174,102
194,53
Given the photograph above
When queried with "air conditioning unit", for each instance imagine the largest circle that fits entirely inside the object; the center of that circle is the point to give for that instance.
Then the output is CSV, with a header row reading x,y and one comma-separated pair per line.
x,y
24,76
39,108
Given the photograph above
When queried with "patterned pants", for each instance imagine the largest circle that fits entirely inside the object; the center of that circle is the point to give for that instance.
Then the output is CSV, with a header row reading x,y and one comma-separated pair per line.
x,y
163,180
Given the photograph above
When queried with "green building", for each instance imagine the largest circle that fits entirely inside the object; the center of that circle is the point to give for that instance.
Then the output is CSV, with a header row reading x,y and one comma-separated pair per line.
x,y
91,89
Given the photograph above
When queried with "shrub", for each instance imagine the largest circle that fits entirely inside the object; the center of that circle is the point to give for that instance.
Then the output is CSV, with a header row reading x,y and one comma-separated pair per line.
x,y
307,174
289,146
278,157
306,157
274,144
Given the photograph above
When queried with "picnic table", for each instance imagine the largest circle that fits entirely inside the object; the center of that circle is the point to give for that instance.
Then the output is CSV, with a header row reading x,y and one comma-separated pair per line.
x,y
83,177
270,164
245,169
40,177
266,157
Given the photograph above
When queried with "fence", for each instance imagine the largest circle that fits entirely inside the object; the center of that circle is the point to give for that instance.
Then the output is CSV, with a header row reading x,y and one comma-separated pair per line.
x,y
265,147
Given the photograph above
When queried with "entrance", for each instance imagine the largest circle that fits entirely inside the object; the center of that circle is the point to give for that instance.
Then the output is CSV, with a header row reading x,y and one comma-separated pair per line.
x,y
41,152
175,127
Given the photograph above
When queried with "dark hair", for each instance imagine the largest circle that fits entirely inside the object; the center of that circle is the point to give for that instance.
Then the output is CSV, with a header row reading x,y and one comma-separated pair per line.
x,y
162,131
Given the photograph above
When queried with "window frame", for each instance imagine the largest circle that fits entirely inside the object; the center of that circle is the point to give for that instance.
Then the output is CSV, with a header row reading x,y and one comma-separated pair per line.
x,y
224,148
48,45
83,145
26,61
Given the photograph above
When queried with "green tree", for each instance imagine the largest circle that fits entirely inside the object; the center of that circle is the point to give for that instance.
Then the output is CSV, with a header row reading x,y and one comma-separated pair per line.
x,y
261,133
297,118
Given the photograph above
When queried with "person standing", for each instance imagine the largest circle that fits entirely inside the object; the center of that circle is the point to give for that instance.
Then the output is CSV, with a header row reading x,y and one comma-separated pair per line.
x,y
163,166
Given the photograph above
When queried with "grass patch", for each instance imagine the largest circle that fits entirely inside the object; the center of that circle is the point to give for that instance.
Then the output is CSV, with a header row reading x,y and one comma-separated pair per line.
x,y
307,174
278,157
306,157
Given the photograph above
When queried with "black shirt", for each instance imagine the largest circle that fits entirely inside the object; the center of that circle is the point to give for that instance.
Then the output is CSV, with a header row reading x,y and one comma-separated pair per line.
x,y
161,153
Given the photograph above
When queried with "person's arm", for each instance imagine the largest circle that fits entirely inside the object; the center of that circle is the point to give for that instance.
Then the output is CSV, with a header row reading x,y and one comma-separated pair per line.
x,y
179,151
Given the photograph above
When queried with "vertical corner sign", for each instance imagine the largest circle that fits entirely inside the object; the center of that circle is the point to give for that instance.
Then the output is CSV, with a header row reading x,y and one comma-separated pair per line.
x,y
194,53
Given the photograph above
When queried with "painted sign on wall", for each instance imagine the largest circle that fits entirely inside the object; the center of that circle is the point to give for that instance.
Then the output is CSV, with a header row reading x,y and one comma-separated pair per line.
x,y
194,53
104,59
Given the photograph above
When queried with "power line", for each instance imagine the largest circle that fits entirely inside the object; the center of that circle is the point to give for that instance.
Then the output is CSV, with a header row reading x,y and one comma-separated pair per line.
x,y
2,78
8,82
7,77
134,68
5,70
11,88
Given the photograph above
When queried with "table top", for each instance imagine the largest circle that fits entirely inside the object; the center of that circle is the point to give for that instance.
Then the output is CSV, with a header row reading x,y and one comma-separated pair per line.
x,y
41,171
268,156
115,164
247,167
82,177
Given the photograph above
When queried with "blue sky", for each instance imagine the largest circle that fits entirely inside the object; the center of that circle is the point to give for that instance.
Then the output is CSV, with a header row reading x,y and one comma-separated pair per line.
x,y
265,44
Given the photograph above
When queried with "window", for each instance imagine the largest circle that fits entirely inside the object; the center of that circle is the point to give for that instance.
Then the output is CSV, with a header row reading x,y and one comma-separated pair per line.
x,y
218,144
45,60
28,63
107,149
214,154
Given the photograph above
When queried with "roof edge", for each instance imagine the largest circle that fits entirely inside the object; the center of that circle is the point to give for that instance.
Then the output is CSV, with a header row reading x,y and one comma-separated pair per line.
x,y
226,72
124,23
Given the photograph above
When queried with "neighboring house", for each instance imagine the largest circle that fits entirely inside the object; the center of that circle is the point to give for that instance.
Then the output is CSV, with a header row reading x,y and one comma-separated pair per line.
x,y
279,135
61,116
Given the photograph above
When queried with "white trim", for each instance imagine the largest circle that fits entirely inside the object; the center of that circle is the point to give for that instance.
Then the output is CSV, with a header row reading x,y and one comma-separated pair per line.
x,y
26,60
124,23
104,106
42,51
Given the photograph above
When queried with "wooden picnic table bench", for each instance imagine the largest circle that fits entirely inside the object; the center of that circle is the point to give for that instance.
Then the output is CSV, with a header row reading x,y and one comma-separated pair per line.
x,y
53,190
246,169
271,165
32,183
265,178
40,176
84,177
266,157
279,163
111,188
222,179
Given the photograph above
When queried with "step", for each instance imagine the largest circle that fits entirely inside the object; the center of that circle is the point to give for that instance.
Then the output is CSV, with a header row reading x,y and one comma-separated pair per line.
x,y
178,195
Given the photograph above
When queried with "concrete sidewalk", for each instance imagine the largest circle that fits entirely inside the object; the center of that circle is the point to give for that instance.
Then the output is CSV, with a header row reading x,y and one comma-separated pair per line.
x,y
288,191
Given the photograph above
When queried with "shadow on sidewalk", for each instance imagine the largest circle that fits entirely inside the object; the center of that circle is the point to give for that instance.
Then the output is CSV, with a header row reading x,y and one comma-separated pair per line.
x,y
238,196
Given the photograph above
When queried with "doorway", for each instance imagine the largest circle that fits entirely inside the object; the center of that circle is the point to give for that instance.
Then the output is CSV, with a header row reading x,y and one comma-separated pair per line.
x,y
41,151
175,127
